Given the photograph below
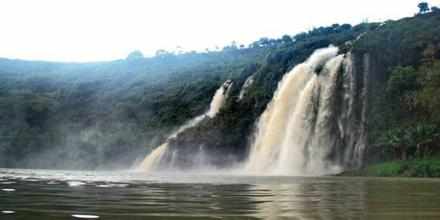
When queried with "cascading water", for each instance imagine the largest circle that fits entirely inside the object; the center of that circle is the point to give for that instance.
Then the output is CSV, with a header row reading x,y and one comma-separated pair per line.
x,y
245,86
154,160
310,121
219,99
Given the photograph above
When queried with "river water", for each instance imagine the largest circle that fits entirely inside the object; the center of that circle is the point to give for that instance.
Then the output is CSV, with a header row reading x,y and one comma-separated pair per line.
x,y
44,194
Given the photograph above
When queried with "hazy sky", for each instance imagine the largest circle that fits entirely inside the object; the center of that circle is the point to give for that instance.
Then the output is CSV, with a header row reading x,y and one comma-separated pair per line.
x,y
90,30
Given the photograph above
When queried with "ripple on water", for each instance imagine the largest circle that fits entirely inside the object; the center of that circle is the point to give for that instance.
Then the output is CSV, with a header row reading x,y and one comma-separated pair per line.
x,y
7,182
8,190
75,183
121,185
31,179
8,212
85,216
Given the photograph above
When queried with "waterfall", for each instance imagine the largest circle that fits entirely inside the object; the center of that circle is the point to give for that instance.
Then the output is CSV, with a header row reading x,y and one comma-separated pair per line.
x,y
247,83
155,159
309,127
218,99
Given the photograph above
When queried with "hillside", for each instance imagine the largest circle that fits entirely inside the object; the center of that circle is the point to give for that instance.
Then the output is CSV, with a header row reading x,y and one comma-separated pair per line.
x,y
71,115
109,114
403,120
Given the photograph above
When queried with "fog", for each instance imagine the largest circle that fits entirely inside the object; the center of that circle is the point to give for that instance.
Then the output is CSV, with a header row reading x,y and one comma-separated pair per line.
x,y
98,115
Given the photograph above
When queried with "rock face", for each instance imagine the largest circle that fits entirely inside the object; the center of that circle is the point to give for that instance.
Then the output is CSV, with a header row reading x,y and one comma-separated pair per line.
x,y
164,157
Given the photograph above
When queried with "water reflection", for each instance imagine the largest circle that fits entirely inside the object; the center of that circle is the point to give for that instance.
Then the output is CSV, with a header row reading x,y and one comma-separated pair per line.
x,y
215,197
314,199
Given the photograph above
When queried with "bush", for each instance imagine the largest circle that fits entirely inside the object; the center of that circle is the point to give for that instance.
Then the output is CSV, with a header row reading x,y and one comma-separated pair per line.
x,y
411,168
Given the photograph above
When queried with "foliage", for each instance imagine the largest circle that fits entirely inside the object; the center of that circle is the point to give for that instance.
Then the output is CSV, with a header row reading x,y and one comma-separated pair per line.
x,y
428,98
87,115
411,142
402,79
401,88
410,168
135,55
403,119
412,98
423,7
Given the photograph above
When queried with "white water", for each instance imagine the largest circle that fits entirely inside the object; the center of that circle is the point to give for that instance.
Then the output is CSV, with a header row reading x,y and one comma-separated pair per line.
x,y
249,81
304,126
155,158
219,99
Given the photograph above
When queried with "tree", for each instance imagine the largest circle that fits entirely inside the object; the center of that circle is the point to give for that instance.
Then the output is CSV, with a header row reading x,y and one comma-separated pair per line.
x,y
401,90
430,52
231,47
287,39
428,97
402,79
135,55
410,142
435,9
300,36
423,7
163,53
394,141
345,27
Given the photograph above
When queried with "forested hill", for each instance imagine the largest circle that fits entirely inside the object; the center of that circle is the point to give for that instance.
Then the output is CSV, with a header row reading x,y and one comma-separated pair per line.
x,y
403,121
108,114
83,115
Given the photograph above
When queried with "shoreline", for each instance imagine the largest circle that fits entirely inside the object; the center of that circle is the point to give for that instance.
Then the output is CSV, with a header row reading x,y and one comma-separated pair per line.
x,y
425,168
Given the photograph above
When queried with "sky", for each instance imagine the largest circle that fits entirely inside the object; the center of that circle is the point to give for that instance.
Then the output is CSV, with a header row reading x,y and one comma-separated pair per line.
x,y
97,30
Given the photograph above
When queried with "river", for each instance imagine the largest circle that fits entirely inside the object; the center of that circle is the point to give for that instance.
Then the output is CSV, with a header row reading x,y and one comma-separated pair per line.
x,y
46,194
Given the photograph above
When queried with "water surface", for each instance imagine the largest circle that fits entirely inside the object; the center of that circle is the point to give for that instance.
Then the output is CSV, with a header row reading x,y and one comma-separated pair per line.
x,y
42,194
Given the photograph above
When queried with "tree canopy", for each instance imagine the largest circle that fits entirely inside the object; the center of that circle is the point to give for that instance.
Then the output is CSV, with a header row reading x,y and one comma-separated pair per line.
x,y
423,7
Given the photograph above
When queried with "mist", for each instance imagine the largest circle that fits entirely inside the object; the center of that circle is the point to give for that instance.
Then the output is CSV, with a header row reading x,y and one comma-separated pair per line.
x,y
101,115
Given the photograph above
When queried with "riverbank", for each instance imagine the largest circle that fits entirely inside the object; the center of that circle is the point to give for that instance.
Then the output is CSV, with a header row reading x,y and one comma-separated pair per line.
x,y
408,168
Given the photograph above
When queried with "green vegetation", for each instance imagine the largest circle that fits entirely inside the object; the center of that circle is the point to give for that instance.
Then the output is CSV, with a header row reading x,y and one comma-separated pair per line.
x,y
90,115
407,168
423,7
411,95
403,119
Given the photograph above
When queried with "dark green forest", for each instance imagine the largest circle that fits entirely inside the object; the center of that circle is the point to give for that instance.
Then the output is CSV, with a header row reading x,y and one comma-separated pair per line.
x,y
403,122
87,115
107,115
